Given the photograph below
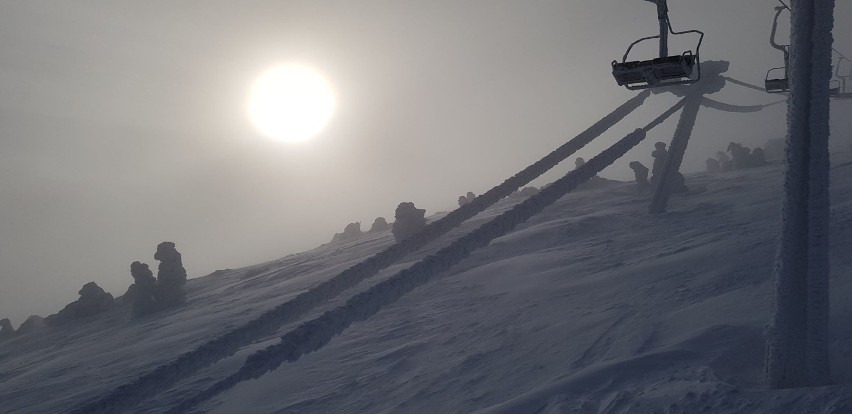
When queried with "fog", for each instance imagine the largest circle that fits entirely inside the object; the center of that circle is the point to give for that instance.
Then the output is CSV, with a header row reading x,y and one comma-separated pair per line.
x,y
123,125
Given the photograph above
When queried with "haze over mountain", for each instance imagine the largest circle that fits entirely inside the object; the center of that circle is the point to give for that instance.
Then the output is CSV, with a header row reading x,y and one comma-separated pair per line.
x,y
593,306
124,125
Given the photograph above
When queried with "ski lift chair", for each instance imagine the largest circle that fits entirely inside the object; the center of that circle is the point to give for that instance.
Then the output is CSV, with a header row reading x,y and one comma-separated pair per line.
x,y
775,84
833,87
843,93
662,71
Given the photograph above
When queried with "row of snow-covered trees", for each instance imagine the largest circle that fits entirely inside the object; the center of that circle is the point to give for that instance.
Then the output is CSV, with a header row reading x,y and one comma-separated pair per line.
x,y
146,295
268,323
741,157
410,219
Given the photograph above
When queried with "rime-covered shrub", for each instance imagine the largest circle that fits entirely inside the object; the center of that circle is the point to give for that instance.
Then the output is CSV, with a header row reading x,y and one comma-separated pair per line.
x,y
743,157
640,174
142,294
32,324
6,329
740,155
379,225
724,161
465,199
713,165
93,300
352,231
147,294
171,276
409,220
757,157
525,192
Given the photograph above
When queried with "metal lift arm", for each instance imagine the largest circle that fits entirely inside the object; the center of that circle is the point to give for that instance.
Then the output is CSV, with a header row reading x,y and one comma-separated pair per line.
x,y
772,41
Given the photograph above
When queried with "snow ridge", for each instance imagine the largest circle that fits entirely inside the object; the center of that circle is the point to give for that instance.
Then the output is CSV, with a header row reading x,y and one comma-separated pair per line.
x,y
165,376
313,335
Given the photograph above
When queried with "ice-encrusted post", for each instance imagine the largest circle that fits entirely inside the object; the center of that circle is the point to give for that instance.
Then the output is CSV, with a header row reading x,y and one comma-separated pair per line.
x,y
797,346
818,201
695,96
677,148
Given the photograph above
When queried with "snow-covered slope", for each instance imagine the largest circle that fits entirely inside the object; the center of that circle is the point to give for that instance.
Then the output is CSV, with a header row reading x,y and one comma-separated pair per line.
x,y
593,306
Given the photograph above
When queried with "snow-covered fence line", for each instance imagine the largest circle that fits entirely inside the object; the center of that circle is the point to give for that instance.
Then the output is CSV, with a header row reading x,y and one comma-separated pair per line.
x,y
314,334
165,376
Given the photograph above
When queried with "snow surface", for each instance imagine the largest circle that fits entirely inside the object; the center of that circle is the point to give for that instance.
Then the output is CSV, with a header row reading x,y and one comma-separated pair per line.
x,y
593,306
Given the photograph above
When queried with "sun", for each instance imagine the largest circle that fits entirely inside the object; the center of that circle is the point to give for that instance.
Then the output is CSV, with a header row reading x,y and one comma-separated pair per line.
x,y
291,103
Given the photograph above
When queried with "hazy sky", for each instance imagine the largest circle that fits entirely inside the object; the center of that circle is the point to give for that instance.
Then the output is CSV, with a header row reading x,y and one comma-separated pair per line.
x,y
123,124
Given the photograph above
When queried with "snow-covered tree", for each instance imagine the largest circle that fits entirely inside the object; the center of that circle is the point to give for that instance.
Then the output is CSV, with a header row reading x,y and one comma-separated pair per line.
x,y
6,329
409,220
171,276
142,293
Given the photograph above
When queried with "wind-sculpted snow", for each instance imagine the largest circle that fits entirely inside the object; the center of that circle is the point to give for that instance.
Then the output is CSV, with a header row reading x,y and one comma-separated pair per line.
x,y
165,376
313,335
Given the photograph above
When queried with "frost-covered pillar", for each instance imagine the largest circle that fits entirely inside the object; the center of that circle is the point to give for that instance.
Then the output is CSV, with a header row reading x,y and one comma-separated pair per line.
x,y
786,336
677,148
796,349
818,200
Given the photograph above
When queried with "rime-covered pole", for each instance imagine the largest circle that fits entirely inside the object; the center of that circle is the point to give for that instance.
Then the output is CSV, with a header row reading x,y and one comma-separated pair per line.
x,y
785,347
796,348
818,196
677,148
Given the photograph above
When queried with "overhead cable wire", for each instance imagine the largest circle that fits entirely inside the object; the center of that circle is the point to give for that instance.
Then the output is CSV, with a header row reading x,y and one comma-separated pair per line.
x,y
712,103
744,84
